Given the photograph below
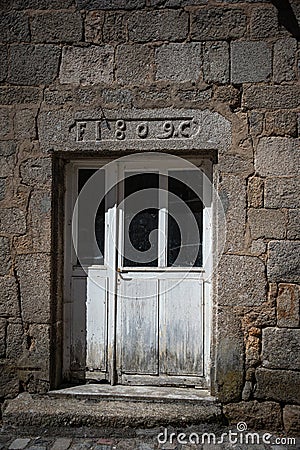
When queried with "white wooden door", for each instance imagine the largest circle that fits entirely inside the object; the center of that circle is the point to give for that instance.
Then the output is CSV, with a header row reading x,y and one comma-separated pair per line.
x,y
141,315
160,334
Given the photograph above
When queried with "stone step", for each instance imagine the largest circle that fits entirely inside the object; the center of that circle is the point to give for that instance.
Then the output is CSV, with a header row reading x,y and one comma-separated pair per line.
x,y
76,415
135,393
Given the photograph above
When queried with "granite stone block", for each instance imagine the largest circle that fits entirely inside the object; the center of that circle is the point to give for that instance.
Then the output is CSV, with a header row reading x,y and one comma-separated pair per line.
x,y
251,62
179,62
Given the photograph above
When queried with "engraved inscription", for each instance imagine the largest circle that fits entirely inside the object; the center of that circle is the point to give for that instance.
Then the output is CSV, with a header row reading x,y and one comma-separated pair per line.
x,y
142,130
135,129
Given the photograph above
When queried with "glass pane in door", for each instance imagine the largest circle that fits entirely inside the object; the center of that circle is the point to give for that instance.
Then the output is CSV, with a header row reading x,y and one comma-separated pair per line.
x,y
141,219
185,217
92,255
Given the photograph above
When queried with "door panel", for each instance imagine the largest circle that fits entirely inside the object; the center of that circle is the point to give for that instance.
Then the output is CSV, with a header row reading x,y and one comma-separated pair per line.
x,y
138,320
78,325
96,307
181,327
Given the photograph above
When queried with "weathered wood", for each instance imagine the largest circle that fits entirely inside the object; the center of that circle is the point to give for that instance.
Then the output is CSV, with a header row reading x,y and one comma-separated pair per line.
x,y
138,326
96,310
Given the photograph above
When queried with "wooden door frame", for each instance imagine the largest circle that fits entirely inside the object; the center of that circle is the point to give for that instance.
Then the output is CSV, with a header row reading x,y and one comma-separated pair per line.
x,y
71,194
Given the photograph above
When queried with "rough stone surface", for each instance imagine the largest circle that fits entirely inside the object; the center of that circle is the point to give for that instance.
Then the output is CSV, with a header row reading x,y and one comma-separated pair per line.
x,y
257,415
256,123
230,356
3,324
7,165
228,95
255,192
115,27
117,97
217,23
37,352
40,221
241,281
10,95
288,305
232,193
9,303
133,64
266,223
258,247
281,348
6,131
190,96
152,97
293,228
66,95
34,277
2,188
281,123
9,383
264,22
36,171
162,25
56,26
237,164
15,341
61,444
282,192
94,22
284,60
87,65
5,259
277,156
57,130
110,4
291,418
278,385
41,4
24,124
7,148
109,27
271,97
284,261
14,27
12,221
19,444
110,415
251,62
3,62
33,64
216,62
178,62
176,3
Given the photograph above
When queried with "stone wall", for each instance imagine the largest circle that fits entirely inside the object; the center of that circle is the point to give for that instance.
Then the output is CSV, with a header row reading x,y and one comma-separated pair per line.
x,y
239,59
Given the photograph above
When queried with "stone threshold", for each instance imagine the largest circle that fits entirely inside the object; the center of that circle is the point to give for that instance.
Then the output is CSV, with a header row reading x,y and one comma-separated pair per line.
x,y
84,409
134,393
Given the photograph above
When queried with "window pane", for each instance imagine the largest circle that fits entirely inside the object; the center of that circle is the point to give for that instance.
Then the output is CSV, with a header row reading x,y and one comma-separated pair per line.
x,y
184,245
140,222
93,255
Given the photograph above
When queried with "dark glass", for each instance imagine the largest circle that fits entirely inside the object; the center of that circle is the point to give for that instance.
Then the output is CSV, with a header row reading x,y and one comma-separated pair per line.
x,y
192,253
95,255
143,223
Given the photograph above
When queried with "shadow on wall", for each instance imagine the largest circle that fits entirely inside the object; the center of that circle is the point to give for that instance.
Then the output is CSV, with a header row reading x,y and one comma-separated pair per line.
x,y
286,17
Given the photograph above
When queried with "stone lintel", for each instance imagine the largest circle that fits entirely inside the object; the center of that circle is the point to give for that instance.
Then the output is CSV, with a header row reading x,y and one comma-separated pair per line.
x,y
98,130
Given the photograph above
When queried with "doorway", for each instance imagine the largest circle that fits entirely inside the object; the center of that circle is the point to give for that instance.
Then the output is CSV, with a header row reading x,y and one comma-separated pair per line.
x,y
137,302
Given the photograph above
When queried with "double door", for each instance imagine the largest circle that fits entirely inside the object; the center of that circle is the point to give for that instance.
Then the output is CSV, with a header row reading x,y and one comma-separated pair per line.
x,y
140,309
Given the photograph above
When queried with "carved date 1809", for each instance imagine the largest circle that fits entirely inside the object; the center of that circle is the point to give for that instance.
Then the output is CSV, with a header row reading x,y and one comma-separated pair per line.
x,y
131,129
